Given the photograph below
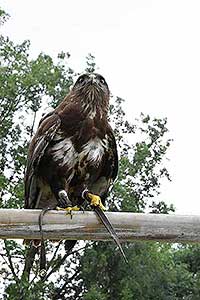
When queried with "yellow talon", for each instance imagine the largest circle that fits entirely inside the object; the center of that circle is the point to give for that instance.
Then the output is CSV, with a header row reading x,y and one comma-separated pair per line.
x,y
69,208
76,208
96,201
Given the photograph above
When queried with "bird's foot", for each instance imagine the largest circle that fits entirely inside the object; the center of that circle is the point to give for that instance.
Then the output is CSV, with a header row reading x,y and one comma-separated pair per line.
x,y
94,200
69,208
65,203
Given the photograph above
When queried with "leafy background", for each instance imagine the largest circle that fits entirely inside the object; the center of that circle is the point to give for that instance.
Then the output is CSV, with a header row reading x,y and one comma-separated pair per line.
x,y
93,270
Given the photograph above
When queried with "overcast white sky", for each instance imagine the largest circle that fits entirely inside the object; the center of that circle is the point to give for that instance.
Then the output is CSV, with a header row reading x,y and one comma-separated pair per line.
x,y
149,53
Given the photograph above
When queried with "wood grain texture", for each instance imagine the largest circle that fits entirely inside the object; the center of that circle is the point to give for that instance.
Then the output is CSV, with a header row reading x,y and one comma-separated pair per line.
x,y
23,224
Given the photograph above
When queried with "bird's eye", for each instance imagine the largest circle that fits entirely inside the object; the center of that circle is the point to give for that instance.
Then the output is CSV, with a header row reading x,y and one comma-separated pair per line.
x,y
102,80
81,79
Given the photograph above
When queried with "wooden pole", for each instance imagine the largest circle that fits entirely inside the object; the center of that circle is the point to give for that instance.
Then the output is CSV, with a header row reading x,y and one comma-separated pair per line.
x,y
23,224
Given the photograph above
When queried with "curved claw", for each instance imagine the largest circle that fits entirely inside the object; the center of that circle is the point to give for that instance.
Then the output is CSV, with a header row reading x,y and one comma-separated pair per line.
x,y
69,208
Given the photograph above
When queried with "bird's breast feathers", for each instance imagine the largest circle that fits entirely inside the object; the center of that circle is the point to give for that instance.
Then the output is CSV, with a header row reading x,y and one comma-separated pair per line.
x,y
94,150
65,154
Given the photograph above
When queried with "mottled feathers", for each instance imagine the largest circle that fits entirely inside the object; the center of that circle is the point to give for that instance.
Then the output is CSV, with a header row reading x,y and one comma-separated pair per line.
x,y
74,148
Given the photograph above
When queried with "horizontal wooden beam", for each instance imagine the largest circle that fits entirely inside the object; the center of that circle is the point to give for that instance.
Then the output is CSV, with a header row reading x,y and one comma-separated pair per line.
x,y
23,224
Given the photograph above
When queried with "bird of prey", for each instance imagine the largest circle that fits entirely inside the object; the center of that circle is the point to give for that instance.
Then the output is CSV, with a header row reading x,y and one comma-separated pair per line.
x,y
73,155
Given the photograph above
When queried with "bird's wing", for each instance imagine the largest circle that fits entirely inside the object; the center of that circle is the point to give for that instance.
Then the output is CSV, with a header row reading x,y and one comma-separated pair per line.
x,y
109,167
44,135
112,154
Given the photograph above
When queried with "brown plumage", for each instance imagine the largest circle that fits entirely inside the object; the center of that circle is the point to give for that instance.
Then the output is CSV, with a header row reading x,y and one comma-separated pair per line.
x,y
74,149
73,156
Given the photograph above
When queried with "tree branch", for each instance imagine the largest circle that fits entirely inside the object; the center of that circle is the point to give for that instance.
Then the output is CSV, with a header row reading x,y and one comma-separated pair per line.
x,y
30,256
10,263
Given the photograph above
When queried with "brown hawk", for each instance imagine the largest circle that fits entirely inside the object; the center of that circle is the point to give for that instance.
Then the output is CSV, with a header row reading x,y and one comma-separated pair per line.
x,y
73,155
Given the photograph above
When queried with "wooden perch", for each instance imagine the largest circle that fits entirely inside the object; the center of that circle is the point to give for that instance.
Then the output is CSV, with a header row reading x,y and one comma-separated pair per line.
x,y
23,224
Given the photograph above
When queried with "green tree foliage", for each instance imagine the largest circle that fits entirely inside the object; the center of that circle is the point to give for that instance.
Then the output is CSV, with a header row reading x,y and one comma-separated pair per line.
x,y
93,270
24,83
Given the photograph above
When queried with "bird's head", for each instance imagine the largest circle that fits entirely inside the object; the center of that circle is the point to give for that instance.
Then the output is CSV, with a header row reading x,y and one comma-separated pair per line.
x,y
93,91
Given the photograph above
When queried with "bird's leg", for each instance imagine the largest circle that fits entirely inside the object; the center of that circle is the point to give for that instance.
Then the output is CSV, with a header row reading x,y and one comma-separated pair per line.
x,y
59,187
63,199
65,202
94,200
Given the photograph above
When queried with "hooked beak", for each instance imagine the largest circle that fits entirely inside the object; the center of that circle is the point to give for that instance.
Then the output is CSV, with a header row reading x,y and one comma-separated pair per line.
x,y
92,79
